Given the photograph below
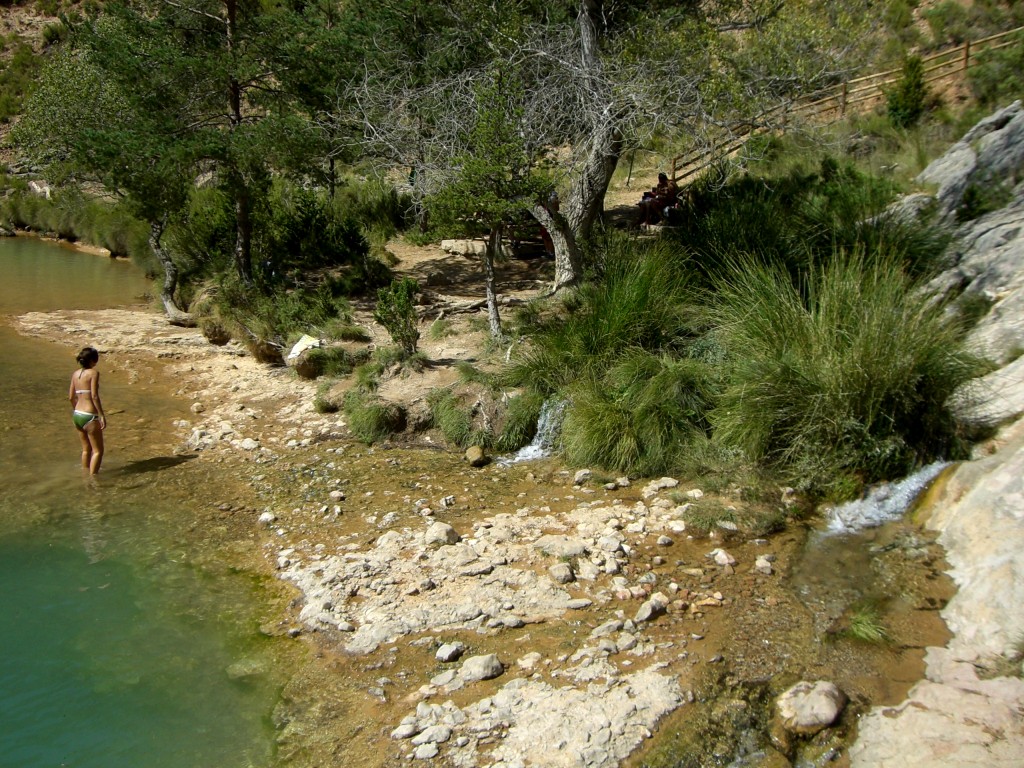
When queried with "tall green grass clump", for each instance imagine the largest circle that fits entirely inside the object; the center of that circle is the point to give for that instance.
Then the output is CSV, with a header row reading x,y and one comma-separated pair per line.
x,y
641,301
628,355
842,382
454,419
371,419
639,416
520,426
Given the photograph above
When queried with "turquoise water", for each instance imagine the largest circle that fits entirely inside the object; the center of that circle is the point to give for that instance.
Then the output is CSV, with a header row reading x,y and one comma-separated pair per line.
x,y
116,649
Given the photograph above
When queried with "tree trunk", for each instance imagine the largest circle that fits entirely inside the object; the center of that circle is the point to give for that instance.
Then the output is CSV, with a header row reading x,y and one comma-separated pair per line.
x,y
493,318
584,202
243,203
563,238
243,233
174,312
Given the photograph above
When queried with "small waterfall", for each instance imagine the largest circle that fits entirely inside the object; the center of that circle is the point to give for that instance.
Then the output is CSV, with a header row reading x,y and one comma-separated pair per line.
x,y
549,425
882,503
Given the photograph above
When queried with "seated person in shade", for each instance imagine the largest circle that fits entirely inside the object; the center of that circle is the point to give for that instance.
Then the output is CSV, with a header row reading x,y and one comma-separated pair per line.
x,y
658,199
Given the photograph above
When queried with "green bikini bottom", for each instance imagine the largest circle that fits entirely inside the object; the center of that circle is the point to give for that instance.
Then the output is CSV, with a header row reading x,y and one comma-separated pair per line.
x,y
82,418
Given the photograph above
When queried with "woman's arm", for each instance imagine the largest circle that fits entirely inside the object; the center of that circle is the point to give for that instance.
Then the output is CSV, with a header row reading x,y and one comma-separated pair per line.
x,y
94,386
72,397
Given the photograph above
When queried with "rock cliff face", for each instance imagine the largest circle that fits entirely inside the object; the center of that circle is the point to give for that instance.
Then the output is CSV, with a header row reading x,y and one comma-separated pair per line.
x,y
959,715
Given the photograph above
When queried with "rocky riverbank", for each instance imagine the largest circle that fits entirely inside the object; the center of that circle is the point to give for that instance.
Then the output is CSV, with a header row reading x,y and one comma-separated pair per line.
x,y
515,615
506,614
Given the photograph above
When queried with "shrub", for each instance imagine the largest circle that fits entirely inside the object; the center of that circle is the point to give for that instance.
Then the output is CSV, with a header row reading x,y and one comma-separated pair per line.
x,y
979,199
331,361
396,311
640,416
304,231
18,76
520,424
371,419
847,381
453,419
907,101
998,75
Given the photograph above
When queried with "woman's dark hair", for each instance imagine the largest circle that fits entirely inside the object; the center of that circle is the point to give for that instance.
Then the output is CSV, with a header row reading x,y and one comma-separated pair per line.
x,y
663,177
87,357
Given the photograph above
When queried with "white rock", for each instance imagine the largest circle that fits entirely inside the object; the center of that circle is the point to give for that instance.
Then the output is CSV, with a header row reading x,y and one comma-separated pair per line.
x,y
440,533
450,652
807,708
581,477
435,734
481,668
722,557
562,573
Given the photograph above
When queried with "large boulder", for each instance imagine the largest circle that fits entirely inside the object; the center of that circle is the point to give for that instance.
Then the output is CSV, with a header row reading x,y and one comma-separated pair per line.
x,y
993,150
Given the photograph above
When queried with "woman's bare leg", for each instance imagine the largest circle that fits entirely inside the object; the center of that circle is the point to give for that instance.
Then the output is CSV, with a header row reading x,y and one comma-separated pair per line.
x,y
95,435
86,449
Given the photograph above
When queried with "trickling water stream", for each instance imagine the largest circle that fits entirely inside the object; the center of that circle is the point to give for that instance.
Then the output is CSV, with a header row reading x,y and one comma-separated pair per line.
x,y
549,425
883,503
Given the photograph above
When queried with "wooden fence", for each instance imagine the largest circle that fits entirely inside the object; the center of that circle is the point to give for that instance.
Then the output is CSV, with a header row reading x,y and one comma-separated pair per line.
x,y
835,102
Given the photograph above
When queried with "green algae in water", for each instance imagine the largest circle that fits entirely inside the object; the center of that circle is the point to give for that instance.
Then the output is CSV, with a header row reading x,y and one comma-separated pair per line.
x,y
101,667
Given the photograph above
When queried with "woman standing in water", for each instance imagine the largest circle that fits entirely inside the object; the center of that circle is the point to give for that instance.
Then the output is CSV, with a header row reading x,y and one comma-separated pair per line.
x,y
87,415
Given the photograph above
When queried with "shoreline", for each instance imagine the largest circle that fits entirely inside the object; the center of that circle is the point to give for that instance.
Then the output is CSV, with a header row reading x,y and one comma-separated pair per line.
x,y
71,245
336,522
347,528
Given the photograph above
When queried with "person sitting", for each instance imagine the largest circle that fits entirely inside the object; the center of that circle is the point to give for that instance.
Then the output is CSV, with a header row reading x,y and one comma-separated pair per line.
x,y
657,200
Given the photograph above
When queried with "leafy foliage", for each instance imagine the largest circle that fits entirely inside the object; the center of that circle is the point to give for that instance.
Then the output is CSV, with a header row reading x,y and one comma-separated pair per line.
x,y
396,311
907,101
849,380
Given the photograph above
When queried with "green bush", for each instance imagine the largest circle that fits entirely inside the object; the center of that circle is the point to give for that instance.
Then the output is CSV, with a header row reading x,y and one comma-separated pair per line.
x,y
641,416
452,418
18,75
332,361
797,220
371,419
907,101
979,199
997,78
280,315
396,311
846,381
305,231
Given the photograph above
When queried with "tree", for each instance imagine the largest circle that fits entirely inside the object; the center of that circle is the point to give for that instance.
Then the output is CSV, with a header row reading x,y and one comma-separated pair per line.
x,y
212,84
86,126
600,78
492,181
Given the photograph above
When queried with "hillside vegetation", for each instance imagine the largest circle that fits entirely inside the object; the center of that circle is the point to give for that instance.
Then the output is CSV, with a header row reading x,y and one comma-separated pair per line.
x,y
257,160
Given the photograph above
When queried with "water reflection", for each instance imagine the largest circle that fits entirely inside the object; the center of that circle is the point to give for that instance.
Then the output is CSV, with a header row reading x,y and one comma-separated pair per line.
x,y
116,646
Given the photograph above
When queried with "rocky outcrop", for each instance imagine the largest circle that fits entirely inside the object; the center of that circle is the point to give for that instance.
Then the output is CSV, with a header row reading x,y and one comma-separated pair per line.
x,y
955,718
992,152
985,263
964,713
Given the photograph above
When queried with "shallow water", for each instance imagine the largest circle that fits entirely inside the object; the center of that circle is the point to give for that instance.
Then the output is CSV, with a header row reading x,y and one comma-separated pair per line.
x,y
117,649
